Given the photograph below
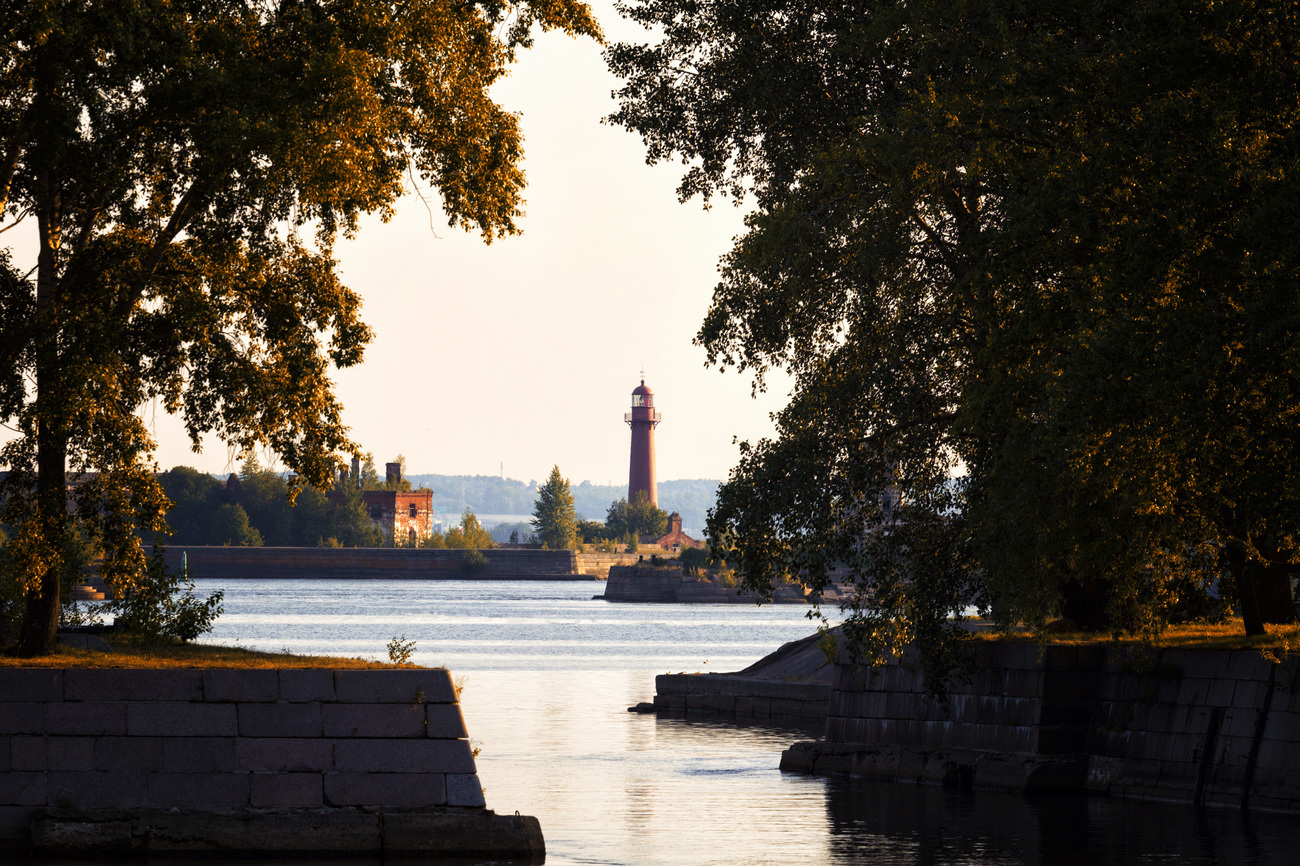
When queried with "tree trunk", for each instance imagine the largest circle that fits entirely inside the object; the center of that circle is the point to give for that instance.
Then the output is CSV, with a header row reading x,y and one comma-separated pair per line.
x,y
1085,603
39,630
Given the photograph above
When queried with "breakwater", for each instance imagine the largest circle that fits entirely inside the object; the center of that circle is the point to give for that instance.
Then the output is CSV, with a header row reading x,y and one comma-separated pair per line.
x,y
671,584
233,563
1197,726
241,762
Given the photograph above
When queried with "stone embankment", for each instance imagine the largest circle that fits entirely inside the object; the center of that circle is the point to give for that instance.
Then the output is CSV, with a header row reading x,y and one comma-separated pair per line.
x,y
1197,726
243,762
233,563
669,584
790,687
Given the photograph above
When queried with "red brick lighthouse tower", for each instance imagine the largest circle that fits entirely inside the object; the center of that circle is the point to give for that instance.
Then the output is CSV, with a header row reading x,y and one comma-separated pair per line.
x,y
643,419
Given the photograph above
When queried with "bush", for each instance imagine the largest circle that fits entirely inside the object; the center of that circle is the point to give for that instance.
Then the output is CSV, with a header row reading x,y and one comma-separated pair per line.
x,y
163,605
473,561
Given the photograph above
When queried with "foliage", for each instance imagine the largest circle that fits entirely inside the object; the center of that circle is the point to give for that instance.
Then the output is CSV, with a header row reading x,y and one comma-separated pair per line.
x,y
400,650
163,605
473,561
469,535
693,559
171,155
637,518
1047,252
553,515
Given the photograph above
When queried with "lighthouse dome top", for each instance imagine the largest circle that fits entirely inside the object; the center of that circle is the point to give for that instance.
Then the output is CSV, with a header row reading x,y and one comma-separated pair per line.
x,y
642,396
642,390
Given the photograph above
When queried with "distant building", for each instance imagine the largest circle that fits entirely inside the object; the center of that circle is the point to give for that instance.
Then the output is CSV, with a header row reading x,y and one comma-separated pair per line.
x,y
676,539
405,517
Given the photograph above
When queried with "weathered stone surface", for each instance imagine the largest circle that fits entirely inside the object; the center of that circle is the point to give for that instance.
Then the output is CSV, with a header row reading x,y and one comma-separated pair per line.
x,y
386,789
124,684
280,720
305,686
27,754
85,641
198,790
398,686
199,755
376,720
88,718
445,721
284,755
175,719
463,789
286,790
128,753
16,824
71,754
31,684
472,834
123,790
403,756
22,718
22,789
241,685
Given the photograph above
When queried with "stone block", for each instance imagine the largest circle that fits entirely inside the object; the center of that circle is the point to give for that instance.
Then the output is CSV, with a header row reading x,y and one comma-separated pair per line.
x,y
27,754
394,686
477,836
286,790
16,824
22,718
125,684
5,765
280,720
408,790
403,756
174,719
88,718
227,684
463,789
30,684
306,686
376,720
284,755
1194,691
70,754
198,755
198,790
199,833
1248,693
128,753
23,789
123,790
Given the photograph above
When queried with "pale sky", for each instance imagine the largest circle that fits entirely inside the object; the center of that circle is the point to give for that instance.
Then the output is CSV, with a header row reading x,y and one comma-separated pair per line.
x,y
525,352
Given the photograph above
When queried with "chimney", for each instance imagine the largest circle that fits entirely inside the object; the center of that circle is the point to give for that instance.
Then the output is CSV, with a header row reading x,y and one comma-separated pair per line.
x,y
392,474
356,470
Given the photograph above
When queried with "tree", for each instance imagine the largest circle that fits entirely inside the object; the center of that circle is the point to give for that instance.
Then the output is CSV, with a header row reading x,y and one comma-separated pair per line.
x,y
170,154
553,515
470,535
1020,264
636,518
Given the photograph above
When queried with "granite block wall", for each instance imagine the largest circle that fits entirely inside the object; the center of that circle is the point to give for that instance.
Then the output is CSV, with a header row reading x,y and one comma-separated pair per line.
x,y
1200,726
233,563
93,739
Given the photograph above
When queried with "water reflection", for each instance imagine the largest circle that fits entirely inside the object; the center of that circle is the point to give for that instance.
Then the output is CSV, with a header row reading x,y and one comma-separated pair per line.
x,y
548,676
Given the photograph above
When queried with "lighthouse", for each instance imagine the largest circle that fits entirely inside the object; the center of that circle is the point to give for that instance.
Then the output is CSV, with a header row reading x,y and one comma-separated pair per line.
x,y
642,419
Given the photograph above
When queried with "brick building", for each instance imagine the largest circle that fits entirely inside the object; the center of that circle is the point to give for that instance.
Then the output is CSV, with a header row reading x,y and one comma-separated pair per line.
x,y
405,517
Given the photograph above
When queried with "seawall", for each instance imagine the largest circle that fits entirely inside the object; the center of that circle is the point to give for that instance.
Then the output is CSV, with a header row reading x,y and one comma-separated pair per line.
x,y
672,585
232,563
1195,726
243,762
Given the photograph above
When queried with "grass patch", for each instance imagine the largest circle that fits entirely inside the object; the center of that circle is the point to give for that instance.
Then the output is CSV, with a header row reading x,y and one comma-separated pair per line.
x,y
128,654
1230,635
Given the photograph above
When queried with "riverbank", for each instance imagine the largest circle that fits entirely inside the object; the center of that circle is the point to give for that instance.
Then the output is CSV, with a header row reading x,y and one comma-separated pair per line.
x,y
400,563
669,583
237,763
1198,726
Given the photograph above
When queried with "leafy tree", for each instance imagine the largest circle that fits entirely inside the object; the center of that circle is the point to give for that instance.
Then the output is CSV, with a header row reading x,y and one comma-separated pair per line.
x,y
635,519
553,514
1044,247
169,155
469,535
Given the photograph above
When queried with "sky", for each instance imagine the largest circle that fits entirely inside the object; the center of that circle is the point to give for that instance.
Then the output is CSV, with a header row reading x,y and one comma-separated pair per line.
x,y
512,357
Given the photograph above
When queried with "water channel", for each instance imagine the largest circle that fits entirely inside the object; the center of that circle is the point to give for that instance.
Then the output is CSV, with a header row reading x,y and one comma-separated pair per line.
x,y
548,674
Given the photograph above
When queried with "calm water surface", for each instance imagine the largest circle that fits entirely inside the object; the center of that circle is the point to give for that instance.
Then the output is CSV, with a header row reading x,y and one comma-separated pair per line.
x,y
549,673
